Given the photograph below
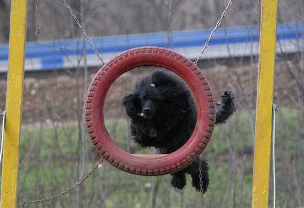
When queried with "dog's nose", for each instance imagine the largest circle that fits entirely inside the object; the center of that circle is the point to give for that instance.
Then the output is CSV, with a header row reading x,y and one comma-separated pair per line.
x,y
147,110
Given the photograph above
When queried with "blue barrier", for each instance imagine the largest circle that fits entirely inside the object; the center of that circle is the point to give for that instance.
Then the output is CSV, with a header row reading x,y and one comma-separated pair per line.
x,y
56,54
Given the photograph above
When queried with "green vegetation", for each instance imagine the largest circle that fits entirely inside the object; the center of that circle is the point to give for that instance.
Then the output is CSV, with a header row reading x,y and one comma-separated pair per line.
x,y
50,162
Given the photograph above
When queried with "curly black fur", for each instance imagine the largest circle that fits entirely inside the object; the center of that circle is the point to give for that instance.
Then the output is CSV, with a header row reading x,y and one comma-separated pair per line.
x,y
225,108
163,115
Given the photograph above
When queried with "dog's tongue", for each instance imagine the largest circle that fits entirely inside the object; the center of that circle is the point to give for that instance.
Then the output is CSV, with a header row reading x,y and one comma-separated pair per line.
x,y
141,114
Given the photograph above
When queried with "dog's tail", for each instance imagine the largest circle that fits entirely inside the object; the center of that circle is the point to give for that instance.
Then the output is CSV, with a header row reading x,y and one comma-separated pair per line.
x,y
226,107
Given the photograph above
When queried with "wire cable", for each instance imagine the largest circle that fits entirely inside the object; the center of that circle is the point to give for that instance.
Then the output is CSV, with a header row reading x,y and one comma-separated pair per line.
x,y
2,135
274,110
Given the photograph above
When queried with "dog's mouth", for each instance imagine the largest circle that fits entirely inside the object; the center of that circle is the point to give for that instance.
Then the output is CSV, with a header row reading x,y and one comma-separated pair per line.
x,y
146,115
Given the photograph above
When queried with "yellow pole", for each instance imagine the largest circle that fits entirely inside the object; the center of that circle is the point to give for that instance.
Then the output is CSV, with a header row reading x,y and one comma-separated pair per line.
x,y
263,124
13,103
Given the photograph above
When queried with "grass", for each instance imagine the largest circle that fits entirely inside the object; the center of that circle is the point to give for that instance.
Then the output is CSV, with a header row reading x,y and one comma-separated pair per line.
x,y
50,163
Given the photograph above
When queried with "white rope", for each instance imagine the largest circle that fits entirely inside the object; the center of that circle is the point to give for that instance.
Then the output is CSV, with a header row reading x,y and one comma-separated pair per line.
x,y
2,134
274,110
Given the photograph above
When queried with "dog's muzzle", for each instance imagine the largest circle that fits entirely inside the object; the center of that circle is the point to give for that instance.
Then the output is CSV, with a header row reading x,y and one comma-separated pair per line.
x,y
148,113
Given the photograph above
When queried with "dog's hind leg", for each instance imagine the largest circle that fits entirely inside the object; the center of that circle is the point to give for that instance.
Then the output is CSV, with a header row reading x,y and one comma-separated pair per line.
x,y
193,170
226,107
178,179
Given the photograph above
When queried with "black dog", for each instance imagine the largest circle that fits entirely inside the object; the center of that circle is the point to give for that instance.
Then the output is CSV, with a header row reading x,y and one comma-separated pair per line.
x,y
163,115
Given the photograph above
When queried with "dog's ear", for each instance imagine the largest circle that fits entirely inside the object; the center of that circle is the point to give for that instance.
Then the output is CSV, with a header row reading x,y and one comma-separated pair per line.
x,y
132,104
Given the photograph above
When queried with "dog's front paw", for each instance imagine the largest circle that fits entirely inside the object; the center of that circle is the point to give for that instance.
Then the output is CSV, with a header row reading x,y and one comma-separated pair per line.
x,y
227,97
226,93
178,182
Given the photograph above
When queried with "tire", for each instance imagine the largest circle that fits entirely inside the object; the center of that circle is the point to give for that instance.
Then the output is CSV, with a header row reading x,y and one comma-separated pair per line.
x,y
149,164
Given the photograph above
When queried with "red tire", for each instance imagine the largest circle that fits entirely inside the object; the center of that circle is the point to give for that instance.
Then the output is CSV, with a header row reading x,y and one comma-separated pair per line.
x,y
149,164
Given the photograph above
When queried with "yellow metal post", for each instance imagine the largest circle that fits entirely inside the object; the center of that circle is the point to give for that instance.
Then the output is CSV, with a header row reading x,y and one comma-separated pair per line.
x,y
263,124
13,103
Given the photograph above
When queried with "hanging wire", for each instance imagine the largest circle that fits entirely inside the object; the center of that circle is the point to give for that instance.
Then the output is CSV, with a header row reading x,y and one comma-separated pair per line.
x,y
38,31
83,31
199,56
201,184
2,135
70,189
274,110
213,31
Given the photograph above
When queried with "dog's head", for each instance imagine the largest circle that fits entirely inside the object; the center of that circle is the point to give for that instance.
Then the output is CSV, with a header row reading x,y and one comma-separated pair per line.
x,y
144,102
152,93
150,101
